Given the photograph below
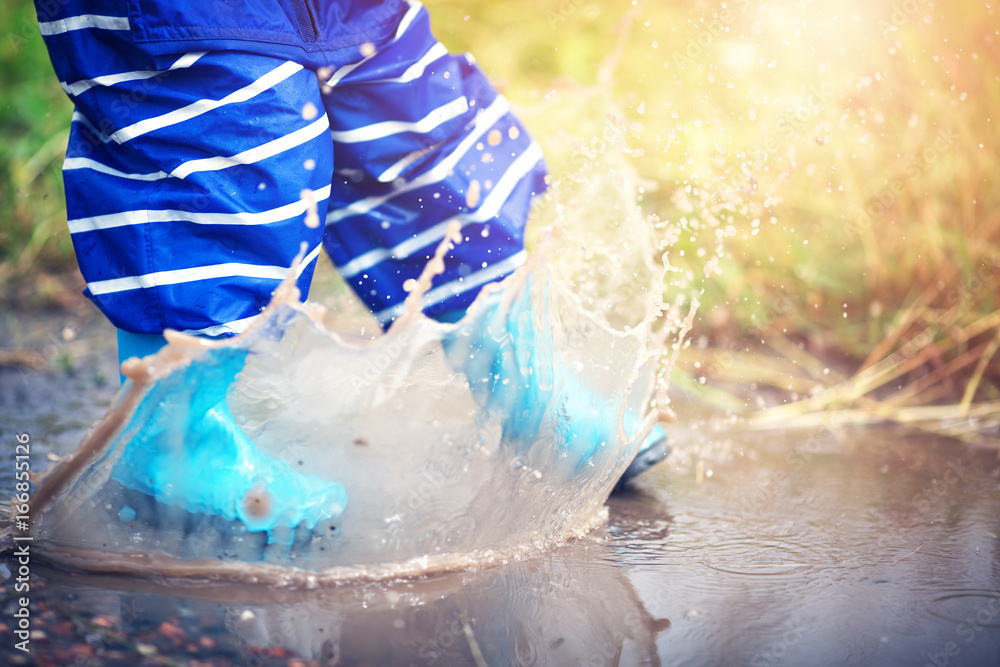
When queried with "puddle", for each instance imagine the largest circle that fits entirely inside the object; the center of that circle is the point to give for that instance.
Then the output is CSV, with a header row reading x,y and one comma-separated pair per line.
x,y
866,553
819,547
865,546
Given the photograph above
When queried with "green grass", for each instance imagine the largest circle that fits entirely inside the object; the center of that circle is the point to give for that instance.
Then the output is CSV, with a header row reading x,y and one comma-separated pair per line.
x,y
34,122
747,143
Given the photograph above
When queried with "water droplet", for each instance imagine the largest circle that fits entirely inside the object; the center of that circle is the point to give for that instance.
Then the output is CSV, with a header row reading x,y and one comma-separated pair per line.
x,y
472,194
312,214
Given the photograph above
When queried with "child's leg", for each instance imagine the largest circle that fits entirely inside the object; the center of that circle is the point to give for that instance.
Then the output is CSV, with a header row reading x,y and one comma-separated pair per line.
x,y
421,138
184,175
185,209
138,345
184,190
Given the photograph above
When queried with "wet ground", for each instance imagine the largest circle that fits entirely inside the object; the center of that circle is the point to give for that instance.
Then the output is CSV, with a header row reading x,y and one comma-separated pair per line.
x,y
744,548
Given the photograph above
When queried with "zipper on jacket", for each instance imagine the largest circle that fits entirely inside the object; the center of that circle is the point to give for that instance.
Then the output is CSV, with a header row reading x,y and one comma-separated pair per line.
x,y
305,17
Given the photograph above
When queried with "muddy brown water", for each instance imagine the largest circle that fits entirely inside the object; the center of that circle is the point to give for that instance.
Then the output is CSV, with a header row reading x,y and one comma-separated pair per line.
x,y
867,547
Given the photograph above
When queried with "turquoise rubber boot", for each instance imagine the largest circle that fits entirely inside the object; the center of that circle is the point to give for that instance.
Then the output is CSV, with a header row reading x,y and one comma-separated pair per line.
x,y
653,450
508,366
201,461
508,360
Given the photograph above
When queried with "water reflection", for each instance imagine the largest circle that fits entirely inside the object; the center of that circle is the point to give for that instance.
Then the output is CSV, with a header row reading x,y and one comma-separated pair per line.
x,y
571,606
877,548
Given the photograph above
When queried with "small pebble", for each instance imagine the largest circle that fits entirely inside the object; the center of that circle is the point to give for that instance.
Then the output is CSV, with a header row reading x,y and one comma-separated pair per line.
x,y
146,649
172,632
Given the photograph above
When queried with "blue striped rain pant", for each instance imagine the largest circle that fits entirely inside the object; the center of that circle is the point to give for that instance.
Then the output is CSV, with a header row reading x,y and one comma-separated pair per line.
x,y
199,124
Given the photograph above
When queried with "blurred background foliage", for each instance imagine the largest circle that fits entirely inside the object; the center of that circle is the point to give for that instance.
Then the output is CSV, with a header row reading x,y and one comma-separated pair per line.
x,y
34,119
821,176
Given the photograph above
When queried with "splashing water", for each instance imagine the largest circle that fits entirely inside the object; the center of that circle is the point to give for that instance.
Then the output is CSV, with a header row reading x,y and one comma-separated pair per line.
x,y
295,454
